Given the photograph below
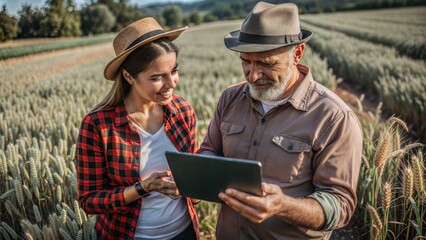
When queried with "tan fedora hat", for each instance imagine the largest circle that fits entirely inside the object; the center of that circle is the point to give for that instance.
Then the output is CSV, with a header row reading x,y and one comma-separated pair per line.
x,y
133,36
268,27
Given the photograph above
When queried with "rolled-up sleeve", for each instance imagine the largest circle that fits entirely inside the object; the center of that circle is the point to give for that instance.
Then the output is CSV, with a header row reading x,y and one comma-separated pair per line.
x,y
336,167
94,194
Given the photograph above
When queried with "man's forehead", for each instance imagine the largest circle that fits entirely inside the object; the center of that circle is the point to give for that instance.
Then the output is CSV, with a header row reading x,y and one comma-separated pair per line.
x,y
262,55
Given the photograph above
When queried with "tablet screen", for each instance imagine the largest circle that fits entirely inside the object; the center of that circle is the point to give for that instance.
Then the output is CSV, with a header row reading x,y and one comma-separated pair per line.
x,y
204,176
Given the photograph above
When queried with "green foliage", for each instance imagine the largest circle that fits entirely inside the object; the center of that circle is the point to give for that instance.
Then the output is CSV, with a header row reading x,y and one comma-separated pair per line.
x,y
60,19
96,19
195,18
173,16
124,13
210,18
8,26
30,21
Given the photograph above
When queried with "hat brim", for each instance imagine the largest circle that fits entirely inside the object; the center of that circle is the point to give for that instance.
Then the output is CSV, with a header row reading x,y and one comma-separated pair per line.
x,y
232,42
110,71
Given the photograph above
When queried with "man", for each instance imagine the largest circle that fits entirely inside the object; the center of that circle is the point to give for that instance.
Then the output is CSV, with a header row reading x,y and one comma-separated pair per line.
x,y
308,140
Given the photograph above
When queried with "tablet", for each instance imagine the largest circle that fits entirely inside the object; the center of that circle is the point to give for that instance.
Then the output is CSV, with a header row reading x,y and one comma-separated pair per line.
x,y
204,176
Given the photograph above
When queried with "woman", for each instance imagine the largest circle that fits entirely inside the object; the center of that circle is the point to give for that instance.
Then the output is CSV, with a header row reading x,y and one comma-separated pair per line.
x,y
123,174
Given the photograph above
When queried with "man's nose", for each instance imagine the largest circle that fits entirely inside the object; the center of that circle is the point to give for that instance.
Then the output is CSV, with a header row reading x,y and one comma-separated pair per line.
x,y
254,74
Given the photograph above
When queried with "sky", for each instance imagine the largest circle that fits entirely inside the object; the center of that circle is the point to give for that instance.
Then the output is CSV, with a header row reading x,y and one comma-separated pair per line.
x,y
13,6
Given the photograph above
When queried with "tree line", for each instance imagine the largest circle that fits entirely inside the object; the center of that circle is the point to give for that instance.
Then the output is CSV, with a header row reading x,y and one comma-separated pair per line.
x,y
61,18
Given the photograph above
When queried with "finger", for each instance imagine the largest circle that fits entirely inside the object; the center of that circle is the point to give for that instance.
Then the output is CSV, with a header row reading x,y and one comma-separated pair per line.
x,y
161,174
248,199
245,210
172,193
268,188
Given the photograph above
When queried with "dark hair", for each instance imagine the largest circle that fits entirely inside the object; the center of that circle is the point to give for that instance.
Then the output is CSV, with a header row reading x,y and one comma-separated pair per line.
x,y
138,61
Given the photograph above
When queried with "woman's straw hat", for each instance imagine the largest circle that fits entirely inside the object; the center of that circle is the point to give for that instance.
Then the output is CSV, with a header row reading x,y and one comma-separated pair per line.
x,y
133,36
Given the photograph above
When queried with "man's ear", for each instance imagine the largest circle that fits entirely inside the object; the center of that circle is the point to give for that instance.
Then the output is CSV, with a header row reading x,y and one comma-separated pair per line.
x,y
298,53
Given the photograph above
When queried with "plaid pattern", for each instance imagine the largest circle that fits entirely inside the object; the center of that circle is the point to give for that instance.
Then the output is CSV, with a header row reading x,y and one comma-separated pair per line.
x,y
108,154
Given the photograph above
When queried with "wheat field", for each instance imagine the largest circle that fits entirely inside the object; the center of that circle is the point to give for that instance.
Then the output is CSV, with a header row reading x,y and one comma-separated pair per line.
x,y
43,98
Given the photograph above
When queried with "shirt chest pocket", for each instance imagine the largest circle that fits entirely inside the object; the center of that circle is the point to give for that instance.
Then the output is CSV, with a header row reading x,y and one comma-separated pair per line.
x,y
289,158
231,138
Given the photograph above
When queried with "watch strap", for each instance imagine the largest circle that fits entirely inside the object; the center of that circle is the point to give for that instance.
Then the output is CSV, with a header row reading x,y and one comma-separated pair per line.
x,y
140,189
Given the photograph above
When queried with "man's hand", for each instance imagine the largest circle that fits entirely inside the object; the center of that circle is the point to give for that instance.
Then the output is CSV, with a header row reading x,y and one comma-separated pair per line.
x,y
256,209
305,212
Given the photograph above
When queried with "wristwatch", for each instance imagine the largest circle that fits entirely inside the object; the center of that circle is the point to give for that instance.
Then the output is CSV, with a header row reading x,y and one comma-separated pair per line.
x,y
140,190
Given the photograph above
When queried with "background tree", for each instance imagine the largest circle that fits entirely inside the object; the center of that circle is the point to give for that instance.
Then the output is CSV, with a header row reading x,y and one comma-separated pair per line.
x,y
173,16
209,18
29,22
60,19
124,12
8,26
96,19
195,18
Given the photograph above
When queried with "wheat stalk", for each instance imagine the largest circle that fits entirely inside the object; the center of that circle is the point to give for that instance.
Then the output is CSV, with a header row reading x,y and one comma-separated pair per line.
x,y
28,236
63,217
33,171
407,182
3,165
7,194
387,195
375,231
37,214
77,212
10,230
47,233
418,176
4,233
80,235
19,193
58,193
382,152
53,222
65,234
27,192
37,231
375,216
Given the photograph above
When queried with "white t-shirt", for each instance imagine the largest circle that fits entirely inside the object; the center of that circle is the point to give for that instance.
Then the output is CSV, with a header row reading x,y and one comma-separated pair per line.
x,y
268,105
160,216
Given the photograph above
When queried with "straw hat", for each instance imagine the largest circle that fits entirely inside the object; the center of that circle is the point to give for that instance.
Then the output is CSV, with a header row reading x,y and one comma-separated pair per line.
x,y
268,27
133,36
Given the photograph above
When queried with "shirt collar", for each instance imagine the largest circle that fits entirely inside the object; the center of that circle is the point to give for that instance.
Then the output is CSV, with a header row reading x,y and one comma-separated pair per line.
x,y
299,99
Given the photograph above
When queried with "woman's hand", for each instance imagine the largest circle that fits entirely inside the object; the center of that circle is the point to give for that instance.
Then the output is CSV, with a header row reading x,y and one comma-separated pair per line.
x,y
160,182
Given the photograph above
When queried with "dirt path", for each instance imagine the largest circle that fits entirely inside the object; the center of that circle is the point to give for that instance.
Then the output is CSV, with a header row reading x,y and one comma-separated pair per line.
x,y
17,73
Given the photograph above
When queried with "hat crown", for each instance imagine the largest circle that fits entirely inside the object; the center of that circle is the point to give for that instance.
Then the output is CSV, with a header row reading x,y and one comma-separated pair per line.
x,y
132,32
272,20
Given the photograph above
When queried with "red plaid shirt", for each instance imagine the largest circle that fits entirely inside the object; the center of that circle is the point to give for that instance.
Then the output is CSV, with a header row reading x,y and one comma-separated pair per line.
x,y
108,154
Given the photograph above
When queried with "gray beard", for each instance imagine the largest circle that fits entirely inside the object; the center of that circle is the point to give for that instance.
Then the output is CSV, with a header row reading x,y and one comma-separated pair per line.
x,y
274,92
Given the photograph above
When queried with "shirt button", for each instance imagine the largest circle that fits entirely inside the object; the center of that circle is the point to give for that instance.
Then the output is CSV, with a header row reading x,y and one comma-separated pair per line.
x,y
290,147
255,143
263,121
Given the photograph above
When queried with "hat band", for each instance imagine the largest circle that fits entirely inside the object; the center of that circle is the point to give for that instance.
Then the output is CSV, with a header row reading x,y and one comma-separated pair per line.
x,y
144,37
260,39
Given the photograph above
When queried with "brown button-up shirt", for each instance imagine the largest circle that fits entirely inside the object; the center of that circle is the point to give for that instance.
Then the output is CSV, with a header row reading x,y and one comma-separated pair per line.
x,y
310,146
